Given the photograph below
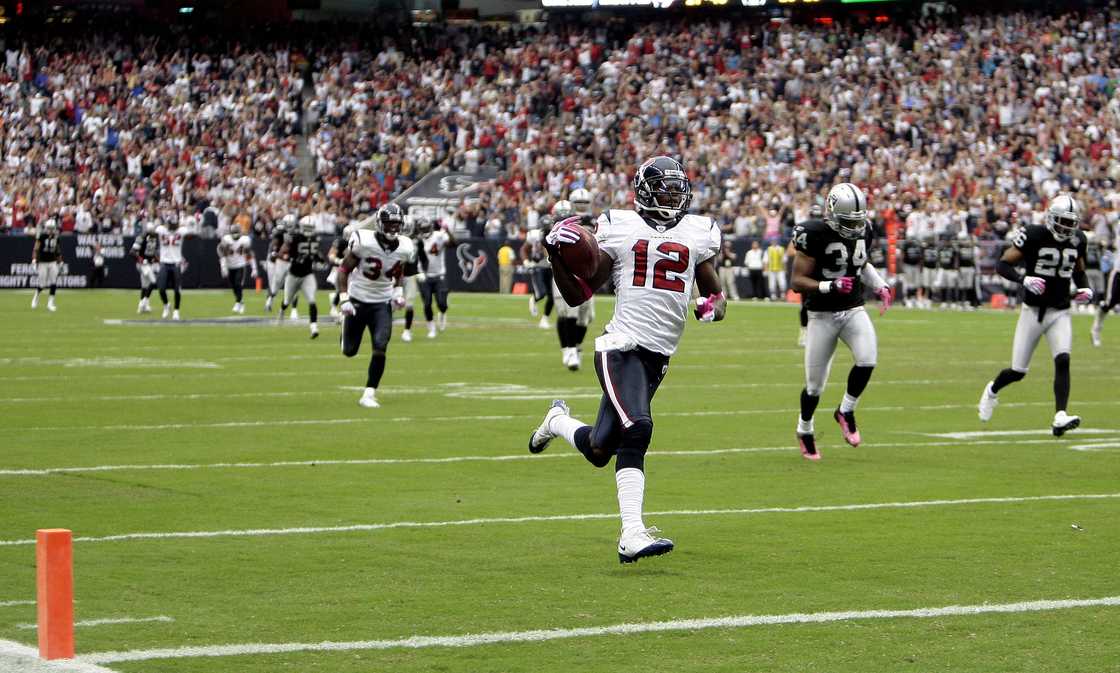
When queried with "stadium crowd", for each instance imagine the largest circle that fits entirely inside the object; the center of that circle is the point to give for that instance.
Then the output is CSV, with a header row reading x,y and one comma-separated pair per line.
x,y
966,122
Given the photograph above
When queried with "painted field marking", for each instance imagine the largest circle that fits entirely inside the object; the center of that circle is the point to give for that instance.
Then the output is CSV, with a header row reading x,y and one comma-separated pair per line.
x,y
18,657
542,635
500,458
976,434
107,621
8,604
309,530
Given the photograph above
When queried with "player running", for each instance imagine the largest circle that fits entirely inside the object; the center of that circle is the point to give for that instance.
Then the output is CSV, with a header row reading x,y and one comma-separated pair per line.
x,y
536,262
434,284
46,261
1111,286
145,250
171,264
412,276
652,255
830,271
301,250
1052,254
369,297
235,254
277,268
572,321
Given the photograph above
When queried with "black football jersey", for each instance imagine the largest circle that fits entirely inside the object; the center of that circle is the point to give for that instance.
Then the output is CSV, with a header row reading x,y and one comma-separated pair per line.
x,y
912,253
303,251
1049,259
834,257
49,248
967,255
929,257
146,247
277,240
947,256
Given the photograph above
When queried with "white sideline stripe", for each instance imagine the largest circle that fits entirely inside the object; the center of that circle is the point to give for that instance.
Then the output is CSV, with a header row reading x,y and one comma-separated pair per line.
x,y
540,635
374,417
6,604
159,396
107,621
1016,433
307,530
18,657
314,462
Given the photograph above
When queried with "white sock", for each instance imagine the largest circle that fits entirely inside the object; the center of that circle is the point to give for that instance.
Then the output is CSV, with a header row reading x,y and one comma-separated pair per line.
x,y
848,404
566,427
631,484
804,427
431,325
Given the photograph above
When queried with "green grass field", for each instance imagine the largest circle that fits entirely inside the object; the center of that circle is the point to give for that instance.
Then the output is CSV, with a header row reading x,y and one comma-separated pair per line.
x,y
285,570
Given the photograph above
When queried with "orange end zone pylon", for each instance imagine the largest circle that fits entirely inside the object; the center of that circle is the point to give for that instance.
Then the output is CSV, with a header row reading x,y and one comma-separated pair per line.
x,y
54,557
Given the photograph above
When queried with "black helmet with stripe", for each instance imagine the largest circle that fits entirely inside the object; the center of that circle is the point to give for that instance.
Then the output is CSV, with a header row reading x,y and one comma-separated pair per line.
x,y
390,220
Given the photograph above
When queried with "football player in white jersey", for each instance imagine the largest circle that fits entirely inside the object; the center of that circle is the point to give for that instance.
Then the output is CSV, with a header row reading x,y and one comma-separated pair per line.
x,y
434,284
171,264
653,255
46,260
368,297
235,254
830,271
572,321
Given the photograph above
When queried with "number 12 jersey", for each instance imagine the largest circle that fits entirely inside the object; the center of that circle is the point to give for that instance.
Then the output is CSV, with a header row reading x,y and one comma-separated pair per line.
x,y
834,257
653,274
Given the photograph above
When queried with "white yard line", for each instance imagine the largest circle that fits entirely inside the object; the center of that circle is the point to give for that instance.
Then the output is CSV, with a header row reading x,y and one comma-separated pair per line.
x,y
501,458
6,604
107,621
542,635
1016,433
16,657
310,530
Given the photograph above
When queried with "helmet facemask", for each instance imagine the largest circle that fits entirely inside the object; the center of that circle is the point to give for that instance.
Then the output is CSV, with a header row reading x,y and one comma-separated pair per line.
x,y
664,198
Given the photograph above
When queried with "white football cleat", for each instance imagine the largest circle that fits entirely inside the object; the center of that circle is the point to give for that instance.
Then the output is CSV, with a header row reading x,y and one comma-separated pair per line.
x,y
642,543
577,359
441,321
35,301
294,314
175,315
369,399
406,336
50,305
268,305
1063,423
431,331
166,311
140,306
146,305
544,324
988,403
538,441
532,306
314,330
234,309
565,356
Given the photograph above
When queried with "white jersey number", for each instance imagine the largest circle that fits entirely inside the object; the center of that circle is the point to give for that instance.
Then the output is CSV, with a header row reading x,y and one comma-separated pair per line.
x,y
674,262
859,258
1050,258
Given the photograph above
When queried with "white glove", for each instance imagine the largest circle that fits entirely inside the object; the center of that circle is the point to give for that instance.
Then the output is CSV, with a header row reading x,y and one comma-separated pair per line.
x,y
565,232
346,307
1083,295
398,297
223,270
420,278
1034,284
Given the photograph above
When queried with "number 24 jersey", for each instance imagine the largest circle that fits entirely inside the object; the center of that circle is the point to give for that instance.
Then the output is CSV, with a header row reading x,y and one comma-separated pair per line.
x,y
653,274
1050,259
834,257
372,280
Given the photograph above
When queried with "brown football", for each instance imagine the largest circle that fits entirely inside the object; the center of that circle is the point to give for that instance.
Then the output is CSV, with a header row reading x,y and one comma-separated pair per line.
x,y
581,257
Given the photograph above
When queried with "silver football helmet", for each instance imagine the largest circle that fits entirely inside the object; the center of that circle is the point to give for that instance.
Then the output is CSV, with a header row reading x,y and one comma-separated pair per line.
x,y
50,226
1063,216
581,201
846,210
562,210
307,227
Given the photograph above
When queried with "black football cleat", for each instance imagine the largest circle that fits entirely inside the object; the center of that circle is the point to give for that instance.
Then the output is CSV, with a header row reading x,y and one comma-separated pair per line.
x,y
808,447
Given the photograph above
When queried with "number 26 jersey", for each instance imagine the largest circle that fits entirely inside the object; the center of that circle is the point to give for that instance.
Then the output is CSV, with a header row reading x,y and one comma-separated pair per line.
x,y
372,280
1050,259
653,274
834,256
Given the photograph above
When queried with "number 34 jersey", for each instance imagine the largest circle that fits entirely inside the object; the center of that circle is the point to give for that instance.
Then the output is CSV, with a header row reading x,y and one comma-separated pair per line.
x,y
1049,259
834,256
653,274
378,267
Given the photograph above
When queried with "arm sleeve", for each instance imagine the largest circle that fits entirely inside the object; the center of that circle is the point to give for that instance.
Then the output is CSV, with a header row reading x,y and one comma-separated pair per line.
x,y
1007,271
871,277
1080,279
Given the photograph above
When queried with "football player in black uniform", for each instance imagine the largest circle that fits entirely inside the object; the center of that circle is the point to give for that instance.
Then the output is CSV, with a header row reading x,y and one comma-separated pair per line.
x,y
911,269
145,250
535,260
947,276
46,258
966,274
1111,288
830,271
1052,254
814,222
929,273
301,249
278,268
